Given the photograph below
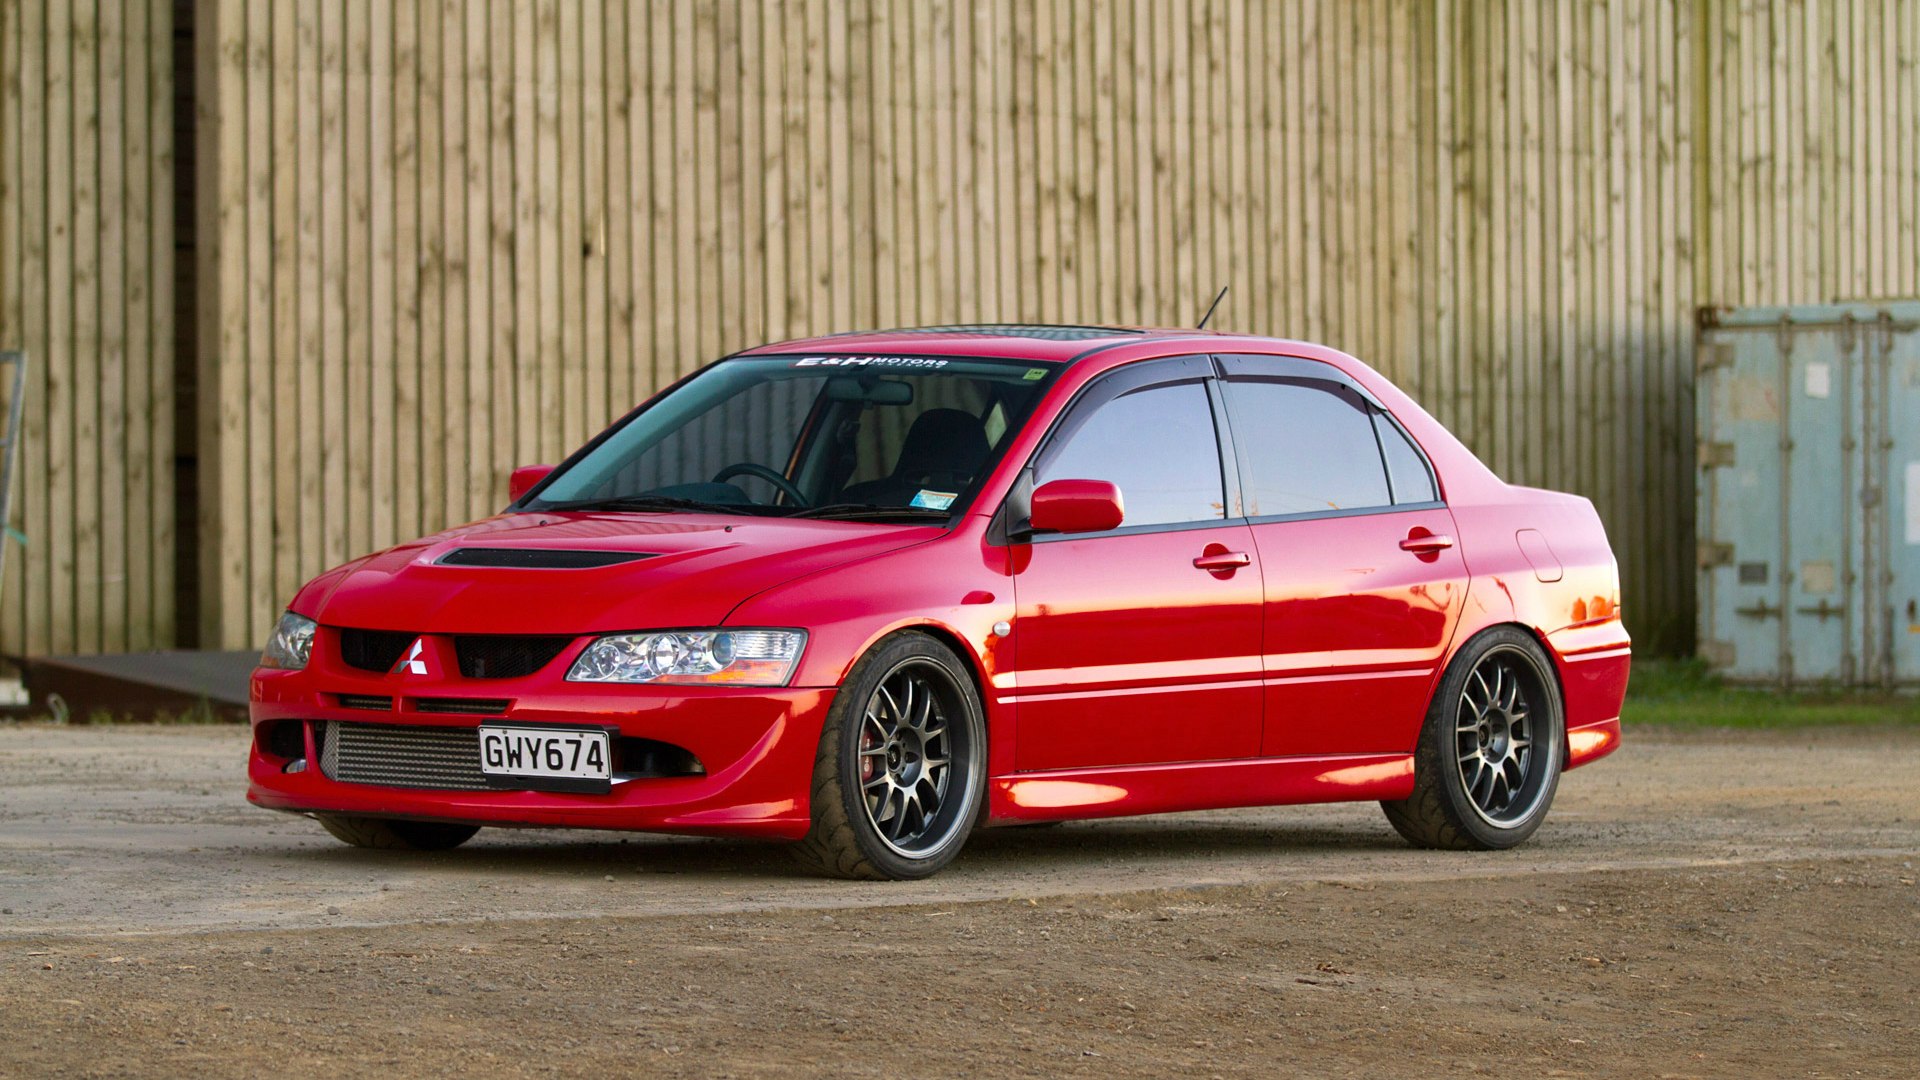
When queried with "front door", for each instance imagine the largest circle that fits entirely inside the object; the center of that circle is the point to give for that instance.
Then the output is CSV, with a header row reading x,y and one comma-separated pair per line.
x,y
1128,651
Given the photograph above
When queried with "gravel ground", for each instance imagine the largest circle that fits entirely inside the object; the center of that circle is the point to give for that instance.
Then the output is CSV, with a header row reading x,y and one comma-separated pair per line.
x,y
1701,904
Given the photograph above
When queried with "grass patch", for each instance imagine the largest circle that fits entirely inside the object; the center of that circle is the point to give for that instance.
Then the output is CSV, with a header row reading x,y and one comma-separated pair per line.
x,y
1683,693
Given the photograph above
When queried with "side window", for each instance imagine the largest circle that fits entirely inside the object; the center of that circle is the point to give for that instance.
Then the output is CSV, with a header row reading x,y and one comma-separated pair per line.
x,y
1305,447
1157,444
1406,469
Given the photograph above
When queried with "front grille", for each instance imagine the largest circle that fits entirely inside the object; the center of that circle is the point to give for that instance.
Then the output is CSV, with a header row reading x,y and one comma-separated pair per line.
x,y
374,650
506,656
372,702
399,755
470,706
419,756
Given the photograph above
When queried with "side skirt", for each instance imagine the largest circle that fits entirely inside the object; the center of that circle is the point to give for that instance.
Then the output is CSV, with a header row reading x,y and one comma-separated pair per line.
x,y
1202,785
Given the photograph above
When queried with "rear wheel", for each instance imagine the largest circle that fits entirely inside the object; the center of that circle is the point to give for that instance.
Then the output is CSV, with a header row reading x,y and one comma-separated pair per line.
x,y
1489,758
394,834
901,770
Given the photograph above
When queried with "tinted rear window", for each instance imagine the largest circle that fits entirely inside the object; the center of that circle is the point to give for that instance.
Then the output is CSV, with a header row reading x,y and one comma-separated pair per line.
x,y
1305,448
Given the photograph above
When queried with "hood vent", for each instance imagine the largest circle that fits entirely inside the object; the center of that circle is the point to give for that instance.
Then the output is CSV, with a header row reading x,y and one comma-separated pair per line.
x,y
539,558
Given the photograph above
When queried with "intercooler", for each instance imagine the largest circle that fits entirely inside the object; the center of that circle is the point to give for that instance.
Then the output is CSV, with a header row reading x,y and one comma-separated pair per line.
x,y
402,755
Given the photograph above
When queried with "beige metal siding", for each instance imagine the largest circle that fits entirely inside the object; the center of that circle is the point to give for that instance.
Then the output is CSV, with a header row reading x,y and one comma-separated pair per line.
x,y
86,288
439,238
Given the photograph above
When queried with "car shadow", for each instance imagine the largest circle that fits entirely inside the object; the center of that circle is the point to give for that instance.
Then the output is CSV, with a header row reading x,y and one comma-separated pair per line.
x,y
1146,839
534,853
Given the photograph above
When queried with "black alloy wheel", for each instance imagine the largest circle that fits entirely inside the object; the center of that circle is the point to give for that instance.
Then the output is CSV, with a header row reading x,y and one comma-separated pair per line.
x,y
901,771
1492,749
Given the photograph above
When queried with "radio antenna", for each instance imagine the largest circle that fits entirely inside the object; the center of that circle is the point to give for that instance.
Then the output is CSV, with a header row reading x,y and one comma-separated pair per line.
x,y
1210,309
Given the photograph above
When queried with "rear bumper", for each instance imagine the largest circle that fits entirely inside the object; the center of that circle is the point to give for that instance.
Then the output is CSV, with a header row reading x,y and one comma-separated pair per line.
x,y
1589,744
1594,661
757,747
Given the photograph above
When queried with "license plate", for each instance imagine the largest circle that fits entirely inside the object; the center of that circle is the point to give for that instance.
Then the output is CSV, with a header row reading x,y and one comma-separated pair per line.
x,y
546,759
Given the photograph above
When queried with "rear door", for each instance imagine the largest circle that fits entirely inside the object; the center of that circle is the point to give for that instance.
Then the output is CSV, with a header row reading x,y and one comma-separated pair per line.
x,y
1127,652
1363,585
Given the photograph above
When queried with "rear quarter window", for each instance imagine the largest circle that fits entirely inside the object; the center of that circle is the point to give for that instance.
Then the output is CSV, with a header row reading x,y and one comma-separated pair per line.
x,y
1407,470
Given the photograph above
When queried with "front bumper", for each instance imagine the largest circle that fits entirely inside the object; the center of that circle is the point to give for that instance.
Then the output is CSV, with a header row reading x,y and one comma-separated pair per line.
x,y
757,746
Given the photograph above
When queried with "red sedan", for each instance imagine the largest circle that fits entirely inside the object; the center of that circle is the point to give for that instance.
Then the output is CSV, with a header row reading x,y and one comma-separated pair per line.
x,y
871,592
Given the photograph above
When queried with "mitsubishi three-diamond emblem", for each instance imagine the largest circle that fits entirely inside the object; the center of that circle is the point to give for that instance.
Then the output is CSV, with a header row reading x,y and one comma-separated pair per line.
x,y
414,663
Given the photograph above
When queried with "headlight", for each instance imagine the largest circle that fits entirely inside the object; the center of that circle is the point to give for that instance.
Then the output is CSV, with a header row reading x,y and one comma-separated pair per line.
x,y
290,644
712,657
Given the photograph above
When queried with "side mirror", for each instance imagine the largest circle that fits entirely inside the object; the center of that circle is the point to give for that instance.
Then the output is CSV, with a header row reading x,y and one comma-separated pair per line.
x,y
1075,506
524,479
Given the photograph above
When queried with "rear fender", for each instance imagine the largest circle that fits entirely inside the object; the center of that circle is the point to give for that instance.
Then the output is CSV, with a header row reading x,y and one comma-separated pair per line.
x,y
1541,559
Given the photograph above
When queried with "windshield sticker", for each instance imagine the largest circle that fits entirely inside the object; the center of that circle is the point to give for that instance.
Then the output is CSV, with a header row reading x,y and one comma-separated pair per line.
x,y
1036,373
870,361
934,500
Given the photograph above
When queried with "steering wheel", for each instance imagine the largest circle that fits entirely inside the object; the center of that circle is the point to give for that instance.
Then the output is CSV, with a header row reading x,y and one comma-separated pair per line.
x,y
749,468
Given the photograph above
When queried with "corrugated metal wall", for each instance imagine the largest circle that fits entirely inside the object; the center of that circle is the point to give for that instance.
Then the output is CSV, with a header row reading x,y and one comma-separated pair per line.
x,y
1809,114
438,239
87,288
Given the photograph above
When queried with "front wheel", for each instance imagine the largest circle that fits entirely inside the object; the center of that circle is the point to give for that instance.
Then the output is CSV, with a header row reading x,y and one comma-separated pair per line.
x,y
1489,757
901,770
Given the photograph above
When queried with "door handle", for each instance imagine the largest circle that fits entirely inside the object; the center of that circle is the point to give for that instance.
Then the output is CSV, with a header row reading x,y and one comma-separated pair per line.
x,y
1422,545
1222,560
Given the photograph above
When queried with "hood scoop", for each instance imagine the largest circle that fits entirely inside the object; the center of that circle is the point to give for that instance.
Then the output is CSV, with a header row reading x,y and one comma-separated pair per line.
x,y
539,558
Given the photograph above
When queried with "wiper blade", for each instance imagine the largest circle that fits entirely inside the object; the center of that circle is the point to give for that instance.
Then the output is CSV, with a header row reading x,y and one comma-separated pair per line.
x,y
865,510
649,502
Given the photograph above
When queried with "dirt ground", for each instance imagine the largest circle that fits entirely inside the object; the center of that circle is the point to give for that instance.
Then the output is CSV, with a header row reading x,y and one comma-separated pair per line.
x,y
1701,904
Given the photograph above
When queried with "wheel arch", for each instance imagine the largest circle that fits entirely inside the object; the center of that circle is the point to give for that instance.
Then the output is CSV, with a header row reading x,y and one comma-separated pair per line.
x,y
976,665
1554,665
970,660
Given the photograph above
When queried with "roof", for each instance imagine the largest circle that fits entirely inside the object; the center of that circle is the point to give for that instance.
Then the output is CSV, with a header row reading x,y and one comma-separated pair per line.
x,y
1058,344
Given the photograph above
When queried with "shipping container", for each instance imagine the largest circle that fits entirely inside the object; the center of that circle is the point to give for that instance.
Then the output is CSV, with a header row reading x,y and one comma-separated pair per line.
x,y
1809,494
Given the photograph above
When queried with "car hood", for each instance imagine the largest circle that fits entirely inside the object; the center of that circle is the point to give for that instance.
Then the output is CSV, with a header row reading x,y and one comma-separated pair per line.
x,y
696,568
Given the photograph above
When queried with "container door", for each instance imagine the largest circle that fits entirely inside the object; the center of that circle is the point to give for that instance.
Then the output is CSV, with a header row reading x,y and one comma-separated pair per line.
x,y
1775,520
1902,610
1816,581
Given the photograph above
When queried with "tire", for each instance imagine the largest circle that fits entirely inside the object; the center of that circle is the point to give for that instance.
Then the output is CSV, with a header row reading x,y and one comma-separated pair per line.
x,y
1491,750
393,834
884,807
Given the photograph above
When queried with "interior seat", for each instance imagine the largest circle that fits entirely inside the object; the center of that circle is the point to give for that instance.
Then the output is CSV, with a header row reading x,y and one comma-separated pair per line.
x,y
942,452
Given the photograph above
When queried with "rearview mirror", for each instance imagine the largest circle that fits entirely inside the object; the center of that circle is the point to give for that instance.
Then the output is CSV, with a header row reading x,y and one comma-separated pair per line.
x,y
525,479
869,391
1076,506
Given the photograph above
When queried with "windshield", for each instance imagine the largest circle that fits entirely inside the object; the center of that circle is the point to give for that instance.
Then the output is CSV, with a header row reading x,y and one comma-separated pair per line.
x,y
872,437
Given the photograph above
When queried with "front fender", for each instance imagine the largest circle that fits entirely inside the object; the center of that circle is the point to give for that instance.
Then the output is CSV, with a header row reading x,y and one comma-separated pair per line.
x,y
955,588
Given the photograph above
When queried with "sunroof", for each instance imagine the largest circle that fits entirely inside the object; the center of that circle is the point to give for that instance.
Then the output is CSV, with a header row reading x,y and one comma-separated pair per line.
x,y
1019,330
